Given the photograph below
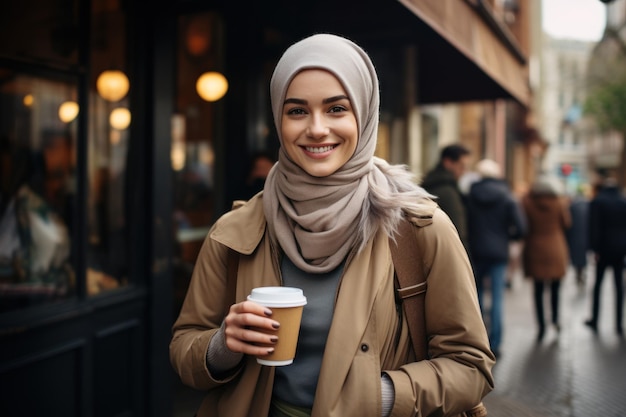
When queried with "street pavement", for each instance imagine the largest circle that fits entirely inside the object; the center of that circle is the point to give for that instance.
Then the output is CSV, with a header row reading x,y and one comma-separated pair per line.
x,y
574,373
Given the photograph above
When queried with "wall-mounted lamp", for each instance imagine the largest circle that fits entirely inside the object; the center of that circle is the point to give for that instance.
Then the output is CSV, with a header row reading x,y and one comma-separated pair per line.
x,y
112,85
120,118
68,111
28,100
211,86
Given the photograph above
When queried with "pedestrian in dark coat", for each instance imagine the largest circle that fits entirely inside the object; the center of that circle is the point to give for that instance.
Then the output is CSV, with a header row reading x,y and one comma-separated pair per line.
x,y
578,236
443,182
546,255
607,233
494,219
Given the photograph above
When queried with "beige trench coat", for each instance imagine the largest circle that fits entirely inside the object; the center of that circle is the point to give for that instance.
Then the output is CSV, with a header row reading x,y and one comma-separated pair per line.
x,y
367,335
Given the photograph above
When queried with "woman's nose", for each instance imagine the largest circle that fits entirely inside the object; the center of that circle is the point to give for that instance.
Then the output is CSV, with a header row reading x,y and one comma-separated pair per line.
x,y
317,127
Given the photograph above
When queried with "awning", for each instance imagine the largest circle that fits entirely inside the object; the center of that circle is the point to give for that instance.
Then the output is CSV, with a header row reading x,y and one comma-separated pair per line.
x,y
464,55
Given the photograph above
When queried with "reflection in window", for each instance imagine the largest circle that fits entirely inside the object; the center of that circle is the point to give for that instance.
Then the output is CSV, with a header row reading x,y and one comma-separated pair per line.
x,y
37,168
107,150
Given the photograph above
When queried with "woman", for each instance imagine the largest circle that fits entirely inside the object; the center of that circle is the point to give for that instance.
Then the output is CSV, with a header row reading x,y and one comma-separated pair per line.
x,y
545,254
323,224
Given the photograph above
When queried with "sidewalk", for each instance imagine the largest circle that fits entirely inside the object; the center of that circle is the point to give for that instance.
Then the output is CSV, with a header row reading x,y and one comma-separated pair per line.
x,y
572,374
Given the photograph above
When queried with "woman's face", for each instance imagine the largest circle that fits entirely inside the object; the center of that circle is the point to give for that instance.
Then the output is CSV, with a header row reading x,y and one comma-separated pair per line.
x,y
319,128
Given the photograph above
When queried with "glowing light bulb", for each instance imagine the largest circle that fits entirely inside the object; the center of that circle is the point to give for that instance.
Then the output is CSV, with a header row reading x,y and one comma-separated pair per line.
x,y
212,86
112,85
68,111
120,118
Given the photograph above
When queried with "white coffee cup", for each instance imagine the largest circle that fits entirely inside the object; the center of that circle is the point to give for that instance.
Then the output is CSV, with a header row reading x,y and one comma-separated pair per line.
x,y
286,304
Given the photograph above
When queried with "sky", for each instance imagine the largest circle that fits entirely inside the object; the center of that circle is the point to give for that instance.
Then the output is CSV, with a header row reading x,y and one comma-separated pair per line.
x,y
574,19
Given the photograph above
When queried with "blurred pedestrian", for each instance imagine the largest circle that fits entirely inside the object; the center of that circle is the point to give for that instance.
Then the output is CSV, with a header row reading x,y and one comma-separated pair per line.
x,y
578,235
545,253
494,219
259,167
607,233
443,182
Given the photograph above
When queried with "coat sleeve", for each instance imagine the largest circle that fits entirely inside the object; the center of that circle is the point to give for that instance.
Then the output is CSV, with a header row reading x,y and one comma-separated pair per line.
x,y
566,215
518,226
595,226
200,317
458,374
453,204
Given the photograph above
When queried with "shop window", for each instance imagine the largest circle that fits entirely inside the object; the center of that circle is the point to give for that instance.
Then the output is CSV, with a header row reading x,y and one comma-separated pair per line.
x,y
107,150
37,169
40,103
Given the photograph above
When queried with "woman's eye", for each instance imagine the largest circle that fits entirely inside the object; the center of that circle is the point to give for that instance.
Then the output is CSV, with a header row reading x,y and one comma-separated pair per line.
x,y
336,109
296,111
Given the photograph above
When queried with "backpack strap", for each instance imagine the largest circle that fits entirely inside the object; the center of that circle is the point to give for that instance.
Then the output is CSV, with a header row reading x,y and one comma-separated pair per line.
x,y
411,288
411,284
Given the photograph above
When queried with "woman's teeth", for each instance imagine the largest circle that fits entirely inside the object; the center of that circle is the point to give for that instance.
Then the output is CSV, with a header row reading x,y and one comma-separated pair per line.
x,y
318,149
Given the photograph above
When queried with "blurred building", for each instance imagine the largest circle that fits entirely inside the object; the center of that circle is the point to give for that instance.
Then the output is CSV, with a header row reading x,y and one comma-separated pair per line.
x,y
503,130
607,150
563,92
138,144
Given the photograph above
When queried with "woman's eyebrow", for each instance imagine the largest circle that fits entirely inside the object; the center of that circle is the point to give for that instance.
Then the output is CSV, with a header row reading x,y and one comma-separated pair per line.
x,y
335,98
325,101
295,101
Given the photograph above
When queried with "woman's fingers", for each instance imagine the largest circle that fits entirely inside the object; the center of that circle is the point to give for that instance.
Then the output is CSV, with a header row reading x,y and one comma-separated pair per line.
x,y
249,330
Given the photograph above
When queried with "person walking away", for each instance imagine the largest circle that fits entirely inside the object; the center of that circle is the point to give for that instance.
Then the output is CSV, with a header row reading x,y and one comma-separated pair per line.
x,y
443,182
578,235
323,223
545,253
494,219
607,237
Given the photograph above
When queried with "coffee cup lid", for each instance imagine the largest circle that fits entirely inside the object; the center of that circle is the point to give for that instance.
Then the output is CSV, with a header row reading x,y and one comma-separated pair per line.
x,y
278,296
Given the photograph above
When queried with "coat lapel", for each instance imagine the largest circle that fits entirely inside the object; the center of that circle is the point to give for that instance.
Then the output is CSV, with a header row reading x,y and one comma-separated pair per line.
x,y
358,290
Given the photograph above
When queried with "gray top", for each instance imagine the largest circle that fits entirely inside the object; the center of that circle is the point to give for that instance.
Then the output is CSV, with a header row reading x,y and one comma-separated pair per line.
x,y
296,383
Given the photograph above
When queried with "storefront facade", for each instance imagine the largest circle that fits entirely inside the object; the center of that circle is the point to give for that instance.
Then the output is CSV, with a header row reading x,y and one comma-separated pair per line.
x,y
115,163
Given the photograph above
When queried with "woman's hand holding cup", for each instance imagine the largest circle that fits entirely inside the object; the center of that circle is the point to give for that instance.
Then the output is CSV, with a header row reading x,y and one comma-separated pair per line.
x,y
249,329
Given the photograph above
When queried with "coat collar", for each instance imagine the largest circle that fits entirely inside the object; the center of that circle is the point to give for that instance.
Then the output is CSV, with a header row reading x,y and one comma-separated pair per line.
x,y
243,227
360,286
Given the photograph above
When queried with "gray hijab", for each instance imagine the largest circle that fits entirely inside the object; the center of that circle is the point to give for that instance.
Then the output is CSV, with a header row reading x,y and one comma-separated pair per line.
x,y
318,220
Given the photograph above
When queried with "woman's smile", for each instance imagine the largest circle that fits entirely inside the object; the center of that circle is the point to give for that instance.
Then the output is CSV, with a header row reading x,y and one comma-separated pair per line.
x,y
319,151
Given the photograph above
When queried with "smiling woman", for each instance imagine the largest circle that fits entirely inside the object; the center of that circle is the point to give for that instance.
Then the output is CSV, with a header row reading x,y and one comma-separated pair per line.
x,y
319,128
323,223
